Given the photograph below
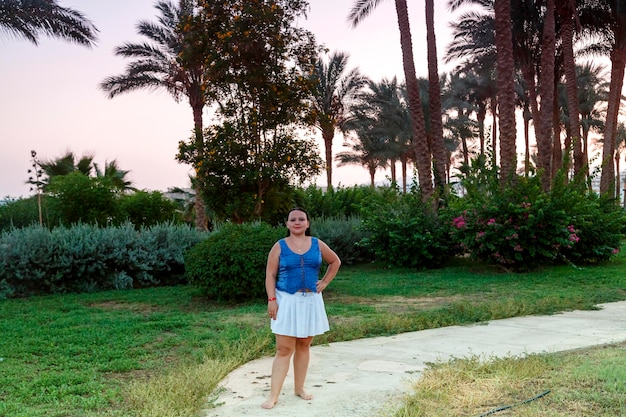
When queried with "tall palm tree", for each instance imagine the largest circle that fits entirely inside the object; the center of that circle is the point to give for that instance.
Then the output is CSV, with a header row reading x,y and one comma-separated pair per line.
x,y
593,93
29,19
566,13
437,146
613,26
473,42
335,91
366,149
392,122
173,60
360,10
506,89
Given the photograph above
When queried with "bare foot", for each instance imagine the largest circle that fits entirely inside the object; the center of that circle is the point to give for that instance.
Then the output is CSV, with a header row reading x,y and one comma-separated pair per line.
x,y
304,395
269,404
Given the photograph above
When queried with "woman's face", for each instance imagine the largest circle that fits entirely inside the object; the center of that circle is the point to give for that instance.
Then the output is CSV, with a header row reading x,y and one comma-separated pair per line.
x,y
297,222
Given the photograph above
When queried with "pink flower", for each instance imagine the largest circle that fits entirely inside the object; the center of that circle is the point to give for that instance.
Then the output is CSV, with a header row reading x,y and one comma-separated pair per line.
x,y
459,222
491,222
480,235
615,251
518,248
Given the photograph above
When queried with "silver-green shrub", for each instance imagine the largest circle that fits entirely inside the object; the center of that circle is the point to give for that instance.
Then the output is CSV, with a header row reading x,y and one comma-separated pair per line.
x,y
36,260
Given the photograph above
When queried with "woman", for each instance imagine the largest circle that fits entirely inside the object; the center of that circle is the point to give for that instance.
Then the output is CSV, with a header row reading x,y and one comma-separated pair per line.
x,y
295,304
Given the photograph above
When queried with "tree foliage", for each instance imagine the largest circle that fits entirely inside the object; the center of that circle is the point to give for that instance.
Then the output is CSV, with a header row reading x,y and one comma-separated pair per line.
x,y
252,155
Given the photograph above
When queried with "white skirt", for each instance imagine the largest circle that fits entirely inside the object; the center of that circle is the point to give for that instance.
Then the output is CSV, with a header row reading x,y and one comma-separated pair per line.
x,y
300,315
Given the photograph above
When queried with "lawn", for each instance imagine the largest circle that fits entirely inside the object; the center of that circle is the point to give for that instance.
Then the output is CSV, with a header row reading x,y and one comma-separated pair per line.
x,y
162,351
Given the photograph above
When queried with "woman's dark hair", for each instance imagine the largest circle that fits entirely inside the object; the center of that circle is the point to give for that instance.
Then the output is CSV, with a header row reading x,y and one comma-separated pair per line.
x,y
307,232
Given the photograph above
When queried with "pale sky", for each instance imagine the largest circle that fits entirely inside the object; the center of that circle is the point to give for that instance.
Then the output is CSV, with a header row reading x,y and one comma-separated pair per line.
x,y
50,101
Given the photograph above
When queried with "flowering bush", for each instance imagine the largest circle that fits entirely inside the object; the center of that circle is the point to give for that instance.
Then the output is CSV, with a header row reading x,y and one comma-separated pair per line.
x,y
521,227
516,234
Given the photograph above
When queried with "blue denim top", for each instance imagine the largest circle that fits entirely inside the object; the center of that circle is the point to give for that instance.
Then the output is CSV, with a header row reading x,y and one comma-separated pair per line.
x,y
298,272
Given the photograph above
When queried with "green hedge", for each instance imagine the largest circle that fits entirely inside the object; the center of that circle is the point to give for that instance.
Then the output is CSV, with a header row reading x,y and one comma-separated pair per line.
x,y
230,264
36,260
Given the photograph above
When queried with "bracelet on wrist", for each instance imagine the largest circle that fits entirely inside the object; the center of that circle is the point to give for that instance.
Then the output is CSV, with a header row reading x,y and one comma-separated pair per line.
x,y
271,299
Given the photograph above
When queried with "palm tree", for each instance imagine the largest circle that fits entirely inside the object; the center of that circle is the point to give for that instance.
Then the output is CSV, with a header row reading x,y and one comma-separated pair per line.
x,y
335,90
32,18
473,42
593,92
567,18
174,60
458,107
115,175
392,122
438,148
360,10
506,89
613,26
66,164
367,150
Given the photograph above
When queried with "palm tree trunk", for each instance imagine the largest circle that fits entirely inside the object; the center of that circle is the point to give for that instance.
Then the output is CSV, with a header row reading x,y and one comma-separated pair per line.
x,y
607,177
434,100
201,219
557,149
566,13
420,140
546,91
328,136
506,90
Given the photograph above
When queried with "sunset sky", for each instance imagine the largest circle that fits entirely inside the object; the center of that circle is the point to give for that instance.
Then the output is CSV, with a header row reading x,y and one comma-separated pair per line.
x,y
50,101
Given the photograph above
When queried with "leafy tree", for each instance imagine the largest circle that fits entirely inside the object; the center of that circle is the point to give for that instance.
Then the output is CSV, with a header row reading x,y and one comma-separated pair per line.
x,y
243,182
263,84
79,198
29,19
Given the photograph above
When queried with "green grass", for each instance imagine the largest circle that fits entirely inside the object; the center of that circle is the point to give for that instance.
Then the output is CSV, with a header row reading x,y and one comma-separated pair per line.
x,y
162,351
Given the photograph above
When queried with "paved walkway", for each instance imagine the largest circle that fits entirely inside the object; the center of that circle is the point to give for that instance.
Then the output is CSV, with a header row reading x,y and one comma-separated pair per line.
x,y
359,377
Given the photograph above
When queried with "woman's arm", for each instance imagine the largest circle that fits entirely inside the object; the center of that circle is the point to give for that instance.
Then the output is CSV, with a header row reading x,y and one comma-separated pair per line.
x,y
271,274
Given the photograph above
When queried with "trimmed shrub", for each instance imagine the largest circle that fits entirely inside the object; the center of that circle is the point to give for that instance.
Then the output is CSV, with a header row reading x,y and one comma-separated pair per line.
x,y
230,264
83,258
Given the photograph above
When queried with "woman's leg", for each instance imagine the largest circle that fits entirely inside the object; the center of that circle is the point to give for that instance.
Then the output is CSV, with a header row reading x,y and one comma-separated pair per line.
x,y
285,346
301,365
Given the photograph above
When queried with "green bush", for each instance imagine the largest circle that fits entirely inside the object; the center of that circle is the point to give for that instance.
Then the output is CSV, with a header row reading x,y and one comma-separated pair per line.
x,y
230,264
599,223
36,260
144,208
79,198
18,213
336,202
343,235
404,231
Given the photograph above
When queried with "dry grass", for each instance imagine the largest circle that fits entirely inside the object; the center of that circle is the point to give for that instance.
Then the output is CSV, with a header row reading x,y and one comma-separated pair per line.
x,y
581,383
184,390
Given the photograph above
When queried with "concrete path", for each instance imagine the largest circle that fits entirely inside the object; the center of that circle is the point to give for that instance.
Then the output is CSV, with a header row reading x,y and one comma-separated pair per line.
x,y
358,378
